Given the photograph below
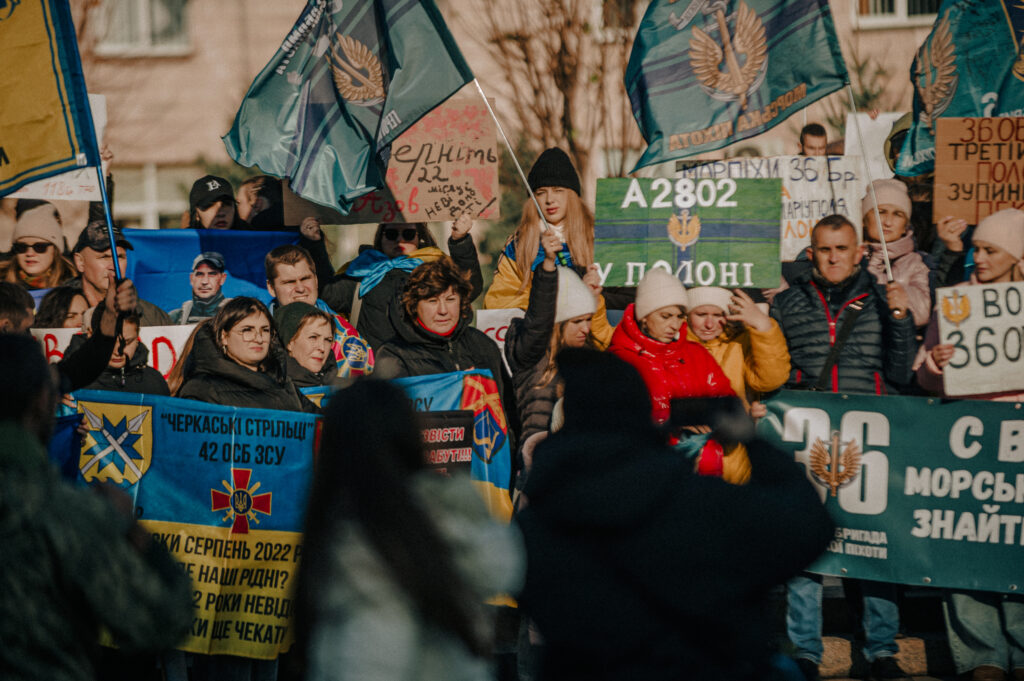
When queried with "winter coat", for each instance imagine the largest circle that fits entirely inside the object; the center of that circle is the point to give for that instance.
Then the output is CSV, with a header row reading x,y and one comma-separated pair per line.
x,y
134,377
877,357
755,362
68,570
909,269
368,628
373,321
639,569
504,291
681,368
212,377
304,378
196,310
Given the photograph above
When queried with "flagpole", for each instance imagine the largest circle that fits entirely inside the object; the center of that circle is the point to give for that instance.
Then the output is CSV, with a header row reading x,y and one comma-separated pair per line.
x,y
118,274
511,153
871,185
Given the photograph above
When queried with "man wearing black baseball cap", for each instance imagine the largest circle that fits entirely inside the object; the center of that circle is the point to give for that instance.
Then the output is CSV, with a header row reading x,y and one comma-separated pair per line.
x,y
207,277
211,204
95,267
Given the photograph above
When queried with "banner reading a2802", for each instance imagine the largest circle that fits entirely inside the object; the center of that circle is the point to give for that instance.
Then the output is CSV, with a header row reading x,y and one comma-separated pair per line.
x,y
923,491
708,232
224,489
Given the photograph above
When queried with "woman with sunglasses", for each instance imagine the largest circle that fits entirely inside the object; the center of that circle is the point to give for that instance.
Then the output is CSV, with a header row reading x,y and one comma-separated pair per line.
x,y
238,361
38,260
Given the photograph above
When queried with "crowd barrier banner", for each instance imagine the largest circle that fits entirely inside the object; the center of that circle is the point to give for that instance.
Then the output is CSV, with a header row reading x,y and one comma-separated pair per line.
x,y
978,167
969,65
812,187
45,116
161,261
924,491
983,324
476,393
224,489
707,232
164,343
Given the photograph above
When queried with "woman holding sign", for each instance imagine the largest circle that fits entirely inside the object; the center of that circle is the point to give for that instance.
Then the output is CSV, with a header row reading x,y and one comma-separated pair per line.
x,y
556,186
985,629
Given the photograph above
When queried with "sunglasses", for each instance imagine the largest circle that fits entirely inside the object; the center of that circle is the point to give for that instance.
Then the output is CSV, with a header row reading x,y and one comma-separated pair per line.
x,y
38,247
408,234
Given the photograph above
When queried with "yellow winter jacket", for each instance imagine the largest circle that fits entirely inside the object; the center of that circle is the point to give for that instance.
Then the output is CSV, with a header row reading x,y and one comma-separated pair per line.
x,y
504,293
755,362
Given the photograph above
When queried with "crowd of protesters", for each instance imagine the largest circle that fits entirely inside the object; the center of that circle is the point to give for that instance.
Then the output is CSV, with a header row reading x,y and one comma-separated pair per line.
x,y
639,523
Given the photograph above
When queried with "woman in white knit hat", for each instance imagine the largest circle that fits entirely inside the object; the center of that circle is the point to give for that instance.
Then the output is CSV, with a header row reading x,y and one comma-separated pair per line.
x,y
747,344
652,337
558,316
38,250
985,630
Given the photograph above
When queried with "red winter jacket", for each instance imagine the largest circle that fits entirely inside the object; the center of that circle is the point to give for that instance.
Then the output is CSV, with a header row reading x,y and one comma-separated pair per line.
x,y
678,369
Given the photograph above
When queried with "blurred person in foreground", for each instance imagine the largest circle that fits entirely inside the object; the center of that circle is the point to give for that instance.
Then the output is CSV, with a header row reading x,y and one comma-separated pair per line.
x,y
74,561
639,568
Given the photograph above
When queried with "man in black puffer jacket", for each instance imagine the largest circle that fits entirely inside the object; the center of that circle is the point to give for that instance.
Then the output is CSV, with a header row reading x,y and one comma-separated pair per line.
x,y
876,357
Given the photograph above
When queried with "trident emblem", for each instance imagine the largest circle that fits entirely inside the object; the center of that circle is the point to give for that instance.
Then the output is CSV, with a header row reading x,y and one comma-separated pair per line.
x,y
739,79
832,469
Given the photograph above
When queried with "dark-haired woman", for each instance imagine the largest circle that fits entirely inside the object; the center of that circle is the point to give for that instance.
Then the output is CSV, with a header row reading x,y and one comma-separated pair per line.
x,y
61,308
238,361
398,559
434,335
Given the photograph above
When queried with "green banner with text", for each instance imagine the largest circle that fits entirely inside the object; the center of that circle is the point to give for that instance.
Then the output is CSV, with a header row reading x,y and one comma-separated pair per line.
x,y
923,491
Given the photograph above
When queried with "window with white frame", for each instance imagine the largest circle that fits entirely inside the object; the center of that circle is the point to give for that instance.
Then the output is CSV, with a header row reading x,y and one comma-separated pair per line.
x,y
896,13
151,27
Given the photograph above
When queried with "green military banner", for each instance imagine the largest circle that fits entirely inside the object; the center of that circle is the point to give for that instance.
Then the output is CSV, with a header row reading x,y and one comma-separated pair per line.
x,y
708,232
923,491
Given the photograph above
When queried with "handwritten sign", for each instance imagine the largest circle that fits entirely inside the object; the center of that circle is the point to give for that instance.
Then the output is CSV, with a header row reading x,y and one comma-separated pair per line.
x,y
495,323
164,343
812,187
444,165
982,323
707,232
978,167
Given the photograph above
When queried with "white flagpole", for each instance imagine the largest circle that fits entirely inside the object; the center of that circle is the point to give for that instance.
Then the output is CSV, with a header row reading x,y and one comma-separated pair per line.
x,y
540,213
871,185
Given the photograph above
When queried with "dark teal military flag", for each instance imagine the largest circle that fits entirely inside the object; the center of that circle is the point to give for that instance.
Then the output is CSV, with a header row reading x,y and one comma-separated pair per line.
x,y
45,124
349,78
706,73
971,64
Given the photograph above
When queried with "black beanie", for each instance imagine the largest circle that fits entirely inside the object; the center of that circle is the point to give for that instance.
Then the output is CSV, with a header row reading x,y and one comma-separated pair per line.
x,y
289,318
553,169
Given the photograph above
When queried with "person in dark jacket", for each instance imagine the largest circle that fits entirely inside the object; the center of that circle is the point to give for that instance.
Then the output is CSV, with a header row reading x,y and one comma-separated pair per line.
x,y
307,333
637,568
558,316
434,335
238,361
128,370
877,355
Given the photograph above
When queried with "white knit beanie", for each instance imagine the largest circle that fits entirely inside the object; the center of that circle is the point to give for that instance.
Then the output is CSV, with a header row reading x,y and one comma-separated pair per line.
x,y
892,192
658,289
574,297
1004,229
709,295
40,222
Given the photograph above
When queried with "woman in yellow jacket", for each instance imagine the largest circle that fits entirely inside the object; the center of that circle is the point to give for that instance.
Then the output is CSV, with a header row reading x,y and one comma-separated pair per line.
x,y
751,351
555,183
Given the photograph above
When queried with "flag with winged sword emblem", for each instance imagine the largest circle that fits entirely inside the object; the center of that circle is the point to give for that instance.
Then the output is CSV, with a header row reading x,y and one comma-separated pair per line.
x,y
706,73
347,80
971,64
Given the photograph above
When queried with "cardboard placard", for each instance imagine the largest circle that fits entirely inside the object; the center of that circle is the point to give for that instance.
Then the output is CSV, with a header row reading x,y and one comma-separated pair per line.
x,y
983,324
812,187
979,167
444,165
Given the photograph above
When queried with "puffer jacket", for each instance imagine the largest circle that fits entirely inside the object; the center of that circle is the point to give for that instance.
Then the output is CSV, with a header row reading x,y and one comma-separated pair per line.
x,y
304,378
212,377
134,377
877,357
909,269
681,368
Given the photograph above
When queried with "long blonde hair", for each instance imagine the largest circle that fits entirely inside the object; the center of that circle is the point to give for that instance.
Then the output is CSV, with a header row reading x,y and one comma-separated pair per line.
x,y
59,271
579,235
555,345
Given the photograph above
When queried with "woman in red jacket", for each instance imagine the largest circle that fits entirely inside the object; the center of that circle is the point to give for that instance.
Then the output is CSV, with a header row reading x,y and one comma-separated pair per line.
x,y
652,338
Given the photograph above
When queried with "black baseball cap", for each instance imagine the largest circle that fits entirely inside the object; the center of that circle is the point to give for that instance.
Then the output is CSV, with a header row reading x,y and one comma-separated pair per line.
x,y
209,189
95,236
